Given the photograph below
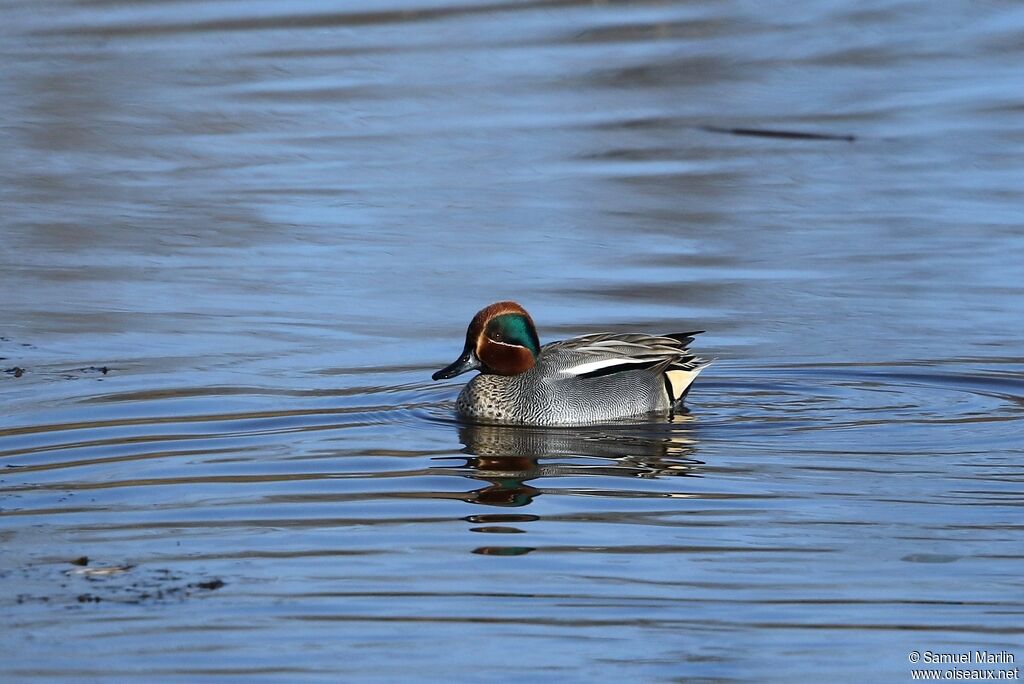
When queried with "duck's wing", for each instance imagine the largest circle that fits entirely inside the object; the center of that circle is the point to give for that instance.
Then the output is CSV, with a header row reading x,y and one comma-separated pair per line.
x,y
606,353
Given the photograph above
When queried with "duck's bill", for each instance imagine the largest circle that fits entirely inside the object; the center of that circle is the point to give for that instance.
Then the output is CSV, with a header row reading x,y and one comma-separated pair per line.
x,y
463,364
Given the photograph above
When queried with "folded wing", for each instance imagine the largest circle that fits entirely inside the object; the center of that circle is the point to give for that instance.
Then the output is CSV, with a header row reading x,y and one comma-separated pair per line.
x,y
600,354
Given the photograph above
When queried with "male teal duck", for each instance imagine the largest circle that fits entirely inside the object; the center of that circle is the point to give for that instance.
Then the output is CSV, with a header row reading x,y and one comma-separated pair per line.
x,y
581,380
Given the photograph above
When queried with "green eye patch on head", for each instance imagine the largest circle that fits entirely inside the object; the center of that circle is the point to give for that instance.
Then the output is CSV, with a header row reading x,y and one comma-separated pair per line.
x,y
514,328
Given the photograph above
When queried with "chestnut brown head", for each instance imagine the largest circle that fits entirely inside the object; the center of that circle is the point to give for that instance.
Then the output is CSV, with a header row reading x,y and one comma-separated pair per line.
x,y
501,340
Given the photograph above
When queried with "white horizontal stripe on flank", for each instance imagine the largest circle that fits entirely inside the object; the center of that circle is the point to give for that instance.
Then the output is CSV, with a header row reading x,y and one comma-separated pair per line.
x,y
603,363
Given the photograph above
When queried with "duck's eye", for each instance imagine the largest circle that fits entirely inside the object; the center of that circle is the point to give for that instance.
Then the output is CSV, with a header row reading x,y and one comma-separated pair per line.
x,y
497,336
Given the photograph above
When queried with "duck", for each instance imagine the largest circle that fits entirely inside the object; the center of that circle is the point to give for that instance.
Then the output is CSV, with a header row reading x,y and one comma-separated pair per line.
x,y
581,380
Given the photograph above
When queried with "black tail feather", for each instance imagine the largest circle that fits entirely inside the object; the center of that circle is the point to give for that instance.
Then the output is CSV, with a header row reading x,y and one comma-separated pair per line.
x,y
683,338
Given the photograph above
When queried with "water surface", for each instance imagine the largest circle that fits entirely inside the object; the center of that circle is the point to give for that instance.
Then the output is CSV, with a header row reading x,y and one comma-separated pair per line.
x,y
238,238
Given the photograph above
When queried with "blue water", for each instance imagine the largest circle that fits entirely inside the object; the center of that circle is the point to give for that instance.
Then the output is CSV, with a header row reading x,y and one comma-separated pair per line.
x,y
238,237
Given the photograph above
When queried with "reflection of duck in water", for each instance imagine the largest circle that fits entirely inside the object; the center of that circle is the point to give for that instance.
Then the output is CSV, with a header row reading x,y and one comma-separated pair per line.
x,y
509,456
577,381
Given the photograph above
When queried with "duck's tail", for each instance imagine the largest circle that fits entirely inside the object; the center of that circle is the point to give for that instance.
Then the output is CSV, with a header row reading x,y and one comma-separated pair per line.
x,y
679,379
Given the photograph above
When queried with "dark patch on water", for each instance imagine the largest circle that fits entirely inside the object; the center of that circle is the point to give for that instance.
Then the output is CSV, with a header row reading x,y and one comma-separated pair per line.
x,y
126,584
785,135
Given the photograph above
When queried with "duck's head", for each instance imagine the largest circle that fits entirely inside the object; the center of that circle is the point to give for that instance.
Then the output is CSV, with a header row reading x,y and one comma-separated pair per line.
x,y
501,340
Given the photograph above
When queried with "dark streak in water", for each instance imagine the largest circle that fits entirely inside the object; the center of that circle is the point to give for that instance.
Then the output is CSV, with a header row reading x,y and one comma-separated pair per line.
x,y
787,135
665,623
307,21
